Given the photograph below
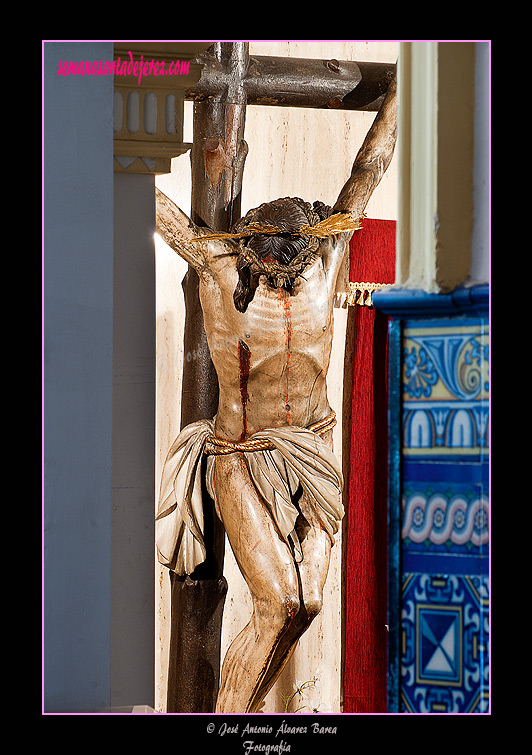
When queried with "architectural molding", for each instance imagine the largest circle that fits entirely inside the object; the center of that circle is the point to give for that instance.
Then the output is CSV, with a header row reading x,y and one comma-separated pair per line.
x,y
436,95
149,107
401,303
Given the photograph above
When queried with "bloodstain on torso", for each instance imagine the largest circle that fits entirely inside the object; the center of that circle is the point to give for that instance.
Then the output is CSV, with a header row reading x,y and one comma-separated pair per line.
x,y
244,357
288,329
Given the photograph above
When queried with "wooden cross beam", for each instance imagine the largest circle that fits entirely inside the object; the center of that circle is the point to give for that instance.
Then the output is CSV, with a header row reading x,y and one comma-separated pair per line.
x,y
293,82
231,80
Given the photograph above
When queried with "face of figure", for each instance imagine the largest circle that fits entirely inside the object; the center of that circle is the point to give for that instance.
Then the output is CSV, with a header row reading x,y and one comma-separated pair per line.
x,y
274,255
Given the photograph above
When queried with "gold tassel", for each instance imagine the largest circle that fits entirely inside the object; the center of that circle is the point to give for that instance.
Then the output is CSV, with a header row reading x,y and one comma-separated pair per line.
x,y
364,291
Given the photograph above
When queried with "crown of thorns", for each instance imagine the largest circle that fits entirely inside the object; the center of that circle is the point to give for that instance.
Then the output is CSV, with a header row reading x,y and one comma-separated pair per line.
x,y
340,222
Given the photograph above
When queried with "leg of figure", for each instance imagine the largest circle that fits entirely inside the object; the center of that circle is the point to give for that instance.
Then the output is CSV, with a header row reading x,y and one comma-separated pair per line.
x,y
312,573
266,563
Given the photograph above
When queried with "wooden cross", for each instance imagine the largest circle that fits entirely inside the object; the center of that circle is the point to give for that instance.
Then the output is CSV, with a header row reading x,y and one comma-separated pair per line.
x,y
231,79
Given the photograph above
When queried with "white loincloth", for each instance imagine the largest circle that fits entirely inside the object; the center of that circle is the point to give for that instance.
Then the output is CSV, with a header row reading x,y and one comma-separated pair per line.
x,y
300,456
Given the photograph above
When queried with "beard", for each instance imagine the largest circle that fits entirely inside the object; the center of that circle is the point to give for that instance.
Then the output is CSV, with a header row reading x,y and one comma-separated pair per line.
x,y
272,255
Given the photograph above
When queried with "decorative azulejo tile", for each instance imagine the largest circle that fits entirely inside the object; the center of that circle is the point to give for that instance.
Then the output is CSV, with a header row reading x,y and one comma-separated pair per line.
x,y
445,389
438,497
445,518
444,653
444,538
437,519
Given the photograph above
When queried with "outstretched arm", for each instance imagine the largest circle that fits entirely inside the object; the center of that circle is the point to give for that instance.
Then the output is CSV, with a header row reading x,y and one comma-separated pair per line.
x,y
184,236
369,167
373,157
178,231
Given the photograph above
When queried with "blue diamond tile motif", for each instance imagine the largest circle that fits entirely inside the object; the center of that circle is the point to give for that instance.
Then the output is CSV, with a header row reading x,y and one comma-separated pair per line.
x,y
439,653
444,643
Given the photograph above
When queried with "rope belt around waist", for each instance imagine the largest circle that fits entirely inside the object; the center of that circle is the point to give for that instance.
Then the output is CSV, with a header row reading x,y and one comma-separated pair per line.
x,y
216,446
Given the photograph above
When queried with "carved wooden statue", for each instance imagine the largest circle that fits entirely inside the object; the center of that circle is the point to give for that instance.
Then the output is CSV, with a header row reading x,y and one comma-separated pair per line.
x,y
267,292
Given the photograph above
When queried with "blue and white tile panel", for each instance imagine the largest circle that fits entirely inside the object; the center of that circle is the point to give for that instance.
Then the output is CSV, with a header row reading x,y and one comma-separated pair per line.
x,y
445,516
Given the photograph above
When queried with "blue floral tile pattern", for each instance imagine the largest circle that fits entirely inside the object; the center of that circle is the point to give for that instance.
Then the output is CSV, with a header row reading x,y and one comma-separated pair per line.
x,y
440,520
445,389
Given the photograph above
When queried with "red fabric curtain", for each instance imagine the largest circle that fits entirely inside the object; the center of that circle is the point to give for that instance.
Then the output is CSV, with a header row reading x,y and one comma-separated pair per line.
x,y
365,689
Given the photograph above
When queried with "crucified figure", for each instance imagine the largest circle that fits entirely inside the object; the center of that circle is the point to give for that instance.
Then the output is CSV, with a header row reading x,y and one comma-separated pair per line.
x,y
267,291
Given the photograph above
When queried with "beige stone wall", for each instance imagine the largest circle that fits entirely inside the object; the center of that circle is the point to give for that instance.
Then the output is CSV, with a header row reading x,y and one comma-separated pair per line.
x,y
292,152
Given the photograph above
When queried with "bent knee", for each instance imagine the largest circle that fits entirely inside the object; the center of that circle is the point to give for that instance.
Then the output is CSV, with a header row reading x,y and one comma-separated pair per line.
x,y
313,605
280,610
287,607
